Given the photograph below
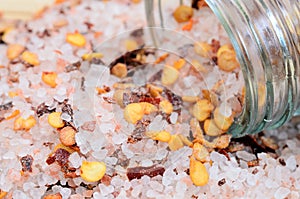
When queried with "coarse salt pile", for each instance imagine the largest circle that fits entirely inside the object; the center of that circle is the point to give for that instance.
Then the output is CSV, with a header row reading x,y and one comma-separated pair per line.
x,y
85,112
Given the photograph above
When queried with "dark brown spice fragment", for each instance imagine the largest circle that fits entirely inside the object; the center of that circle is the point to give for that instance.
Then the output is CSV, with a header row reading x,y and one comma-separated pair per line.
x,y
176,100
194,197
224,152
106,179
26,163
5,107
222,182
73,66
139,172
137,33
215,44
89,25
282,162
109,100
129,58
255,171
42,109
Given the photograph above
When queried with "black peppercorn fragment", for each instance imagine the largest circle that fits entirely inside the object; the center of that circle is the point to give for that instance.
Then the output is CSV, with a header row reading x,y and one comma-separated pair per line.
x,y
222,182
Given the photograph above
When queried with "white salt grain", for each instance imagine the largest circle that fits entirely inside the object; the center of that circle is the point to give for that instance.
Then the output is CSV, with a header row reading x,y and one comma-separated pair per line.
x,y
281,193
65,193
173,117
119,138
217,157
291,163
105,190
75,160
245,155
66,117
19,195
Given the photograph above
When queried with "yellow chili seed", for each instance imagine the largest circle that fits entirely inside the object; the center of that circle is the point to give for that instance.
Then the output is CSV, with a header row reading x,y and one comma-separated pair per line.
x,y
67,136
175,143
118,97
90,56
55,121
202,109
198,66
76,39
24,124
198,172
119,70
179,64
183,13
14,51
155,91
185,140
225,48
162,136
148,108
222,141
166,106
133,112
200,152
203,49
49,78
190,99
12,94
2,194
29,123
130,45
14,114
227,58
222,121
169,75
61,146
92,171
211,129
30,58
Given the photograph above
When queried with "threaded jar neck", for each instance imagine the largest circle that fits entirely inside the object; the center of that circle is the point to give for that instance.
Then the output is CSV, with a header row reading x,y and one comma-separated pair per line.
x,y
266,38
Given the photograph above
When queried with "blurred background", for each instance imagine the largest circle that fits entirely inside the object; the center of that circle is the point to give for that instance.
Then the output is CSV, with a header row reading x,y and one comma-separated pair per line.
x,y
22,9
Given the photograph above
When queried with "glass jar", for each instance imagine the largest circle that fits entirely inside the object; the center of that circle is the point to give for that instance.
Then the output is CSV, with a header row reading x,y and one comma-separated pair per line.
x,y
266,37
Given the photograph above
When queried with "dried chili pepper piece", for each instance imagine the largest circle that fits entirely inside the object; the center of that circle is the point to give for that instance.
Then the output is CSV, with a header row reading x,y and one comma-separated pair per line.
x,y
139,172
26,163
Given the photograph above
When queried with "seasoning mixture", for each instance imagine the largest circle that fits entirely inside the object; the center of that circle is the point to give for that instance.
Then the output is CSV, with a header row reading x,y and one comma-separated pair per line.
x,y
89,112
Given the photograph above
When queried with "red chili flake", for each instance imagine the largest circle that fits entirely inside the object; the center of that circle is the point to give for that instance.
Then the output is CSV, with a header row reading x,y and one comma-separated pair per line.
x,y
224,152
215,44
60,156
106,179
253,163
139,172
222,182
151,100
89,25
26,163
